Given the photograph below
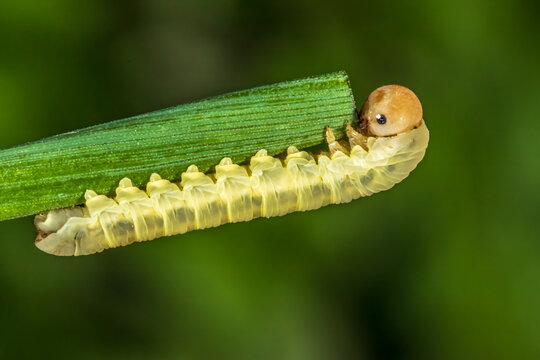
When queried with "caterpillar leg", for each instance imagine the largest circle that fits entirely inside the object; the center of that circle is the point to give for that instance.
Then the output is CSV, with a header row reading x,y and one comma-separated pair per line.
x,y
333,144
355,138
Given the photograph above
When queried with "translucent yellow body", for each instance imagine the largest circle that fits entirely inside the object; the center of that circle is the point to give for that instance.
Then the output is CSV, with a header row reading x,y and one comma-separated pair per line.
x,y
266,187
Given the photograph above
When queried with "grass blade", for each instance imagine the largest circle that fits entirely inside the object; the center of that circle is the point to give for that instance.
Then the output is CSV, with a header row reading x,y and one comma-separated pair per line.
x,y
56,171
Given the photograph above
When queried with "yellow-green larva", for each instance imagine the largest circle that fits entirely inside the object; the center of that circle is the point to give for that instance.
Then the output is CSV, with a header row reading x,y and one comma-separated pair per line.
x,y
390,143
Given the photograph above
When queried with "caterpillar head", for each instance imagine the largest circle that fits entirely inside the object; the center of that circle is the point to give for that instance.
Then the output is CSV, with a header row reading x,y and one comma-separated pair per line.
x,y
390,110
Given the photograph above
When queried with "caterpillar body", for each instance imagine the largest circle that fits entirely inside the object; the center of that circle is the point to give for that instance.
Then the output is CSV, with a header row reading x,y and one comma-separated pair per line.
x,y
392,141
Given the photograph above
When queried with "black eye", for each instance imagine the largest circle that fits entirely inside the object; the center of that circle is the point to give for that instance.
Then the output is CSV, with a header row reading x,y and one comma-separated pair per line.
x,y
381,119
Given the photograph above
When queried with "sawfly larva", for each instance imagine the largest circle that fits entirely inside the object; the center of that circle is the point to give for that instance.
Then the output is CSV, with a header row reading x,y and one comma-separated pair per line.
x,y
389,144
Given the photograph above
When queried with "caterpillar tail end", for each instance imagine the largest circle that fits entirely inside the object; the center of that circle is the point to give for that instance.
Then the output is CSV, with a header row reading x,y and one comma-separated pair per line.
x,y
47,225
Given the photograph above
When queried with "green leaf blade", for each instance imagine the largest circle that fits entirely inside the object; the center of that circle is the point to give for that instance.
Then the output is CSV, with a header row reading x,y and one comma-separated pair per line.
x,y
55,172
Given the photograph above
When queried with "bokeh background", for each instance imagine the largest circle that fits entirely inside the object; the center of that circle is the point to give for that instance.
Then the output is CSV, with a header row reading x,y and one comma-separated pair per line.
x,y
444,266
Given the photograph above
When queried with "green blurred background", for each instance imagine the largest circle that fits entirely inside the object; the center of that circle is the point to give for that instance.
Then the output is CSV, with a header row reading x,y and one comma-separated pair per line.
x,y
444,266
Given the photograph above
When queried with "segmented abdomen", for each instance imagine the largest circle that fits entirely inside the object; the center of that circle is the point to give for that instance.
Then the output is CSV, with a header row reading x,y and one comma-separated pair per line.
x,y
267,187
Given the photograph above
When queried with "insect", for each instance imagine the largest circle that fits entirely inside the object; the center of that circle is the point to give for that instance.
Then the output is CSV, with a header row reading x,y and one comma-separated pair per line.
x,y
390,142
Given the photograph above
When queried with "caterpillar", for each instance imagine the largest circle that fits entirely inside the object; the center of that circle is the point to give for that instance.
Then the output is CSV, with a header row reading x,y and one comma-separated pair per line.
x,y
391,140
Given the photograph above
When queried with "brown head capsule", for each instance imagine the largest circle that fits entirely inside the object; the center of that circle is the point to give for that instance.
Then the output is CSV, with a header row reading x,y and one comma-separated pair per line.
x,y
390,110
